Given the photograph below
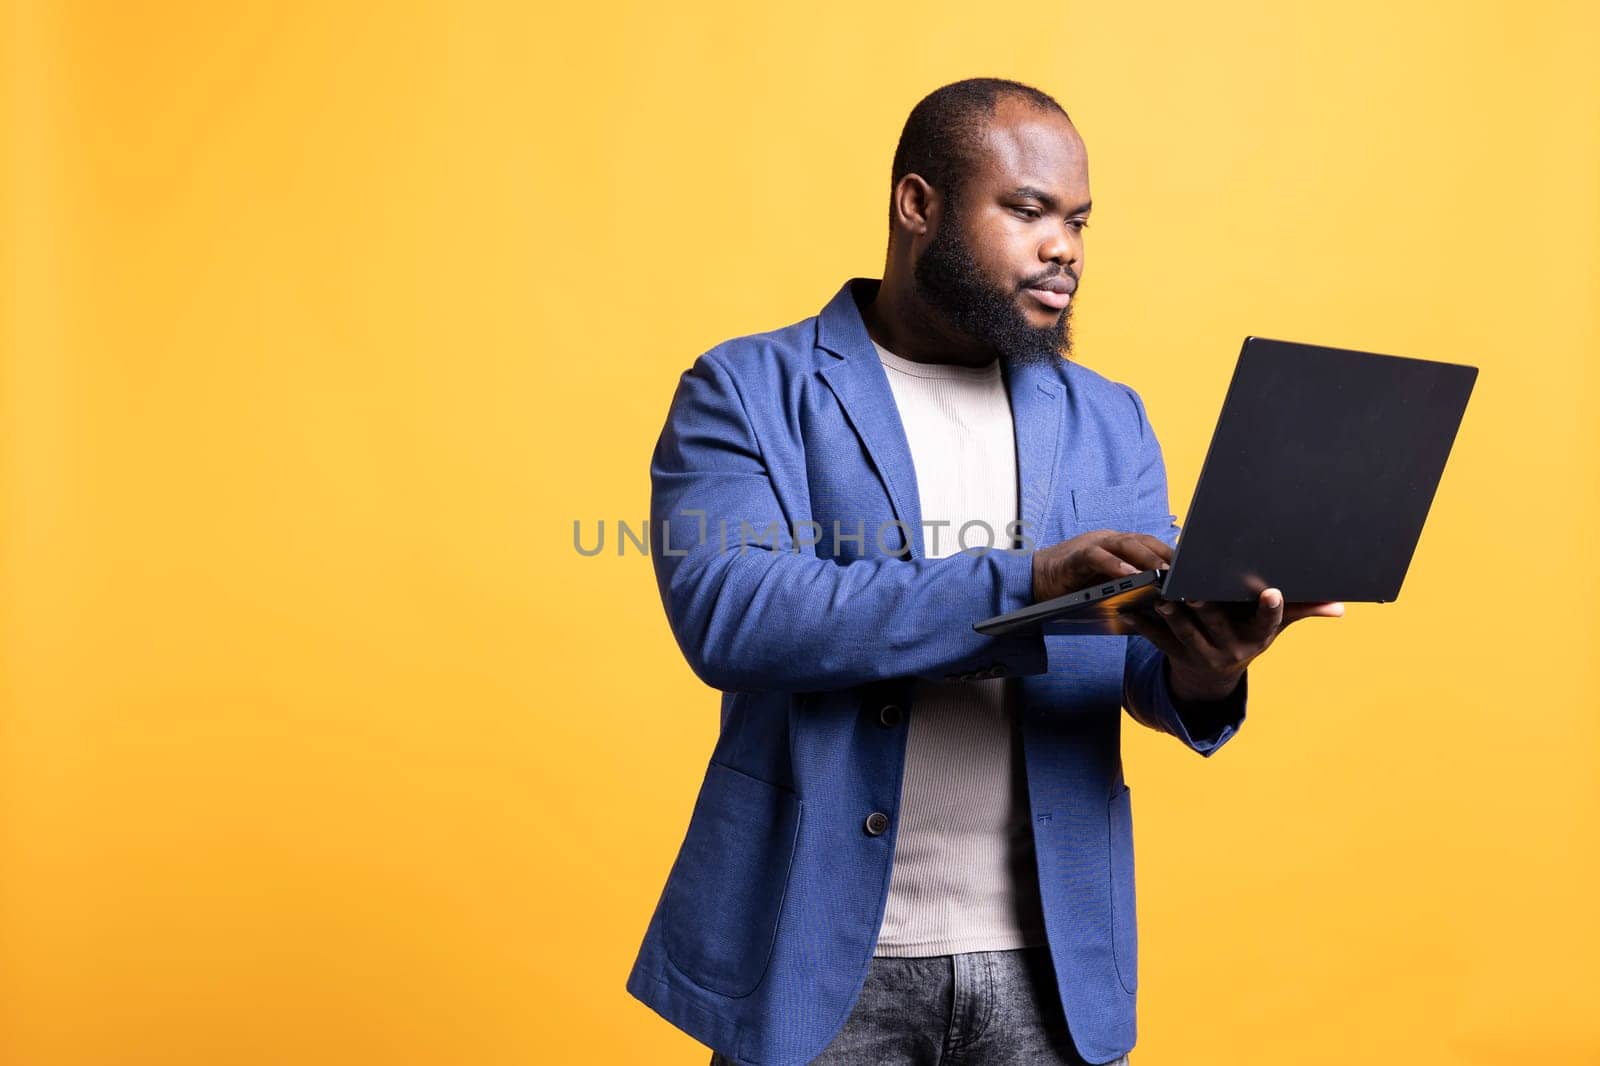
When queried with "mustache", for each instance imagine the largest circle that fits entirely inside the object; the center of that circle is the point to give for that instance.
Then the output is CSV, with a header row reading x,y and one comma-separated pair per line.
x,y
1043,278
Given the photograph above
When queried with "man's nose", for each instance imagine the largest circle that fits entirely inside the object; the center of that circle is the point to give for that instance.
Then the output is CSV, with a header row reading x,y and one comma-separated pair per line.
x,y
1060,247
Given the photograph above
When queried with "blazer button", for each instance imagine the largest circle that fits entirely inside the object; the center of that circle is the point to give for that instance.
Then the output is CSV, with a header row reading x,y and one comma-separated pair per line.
x,y
877,822
997,671
889,715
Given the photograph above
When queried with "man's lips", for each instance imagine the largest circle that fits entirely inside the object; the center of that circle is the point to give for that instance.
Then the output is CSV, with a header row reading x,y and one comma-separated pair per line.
x,y
1054,294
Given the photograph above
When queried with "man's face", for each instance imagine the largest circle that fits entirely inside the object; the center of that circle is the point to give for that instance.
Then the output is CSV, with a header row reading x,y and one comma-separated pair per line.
x,y
1016,225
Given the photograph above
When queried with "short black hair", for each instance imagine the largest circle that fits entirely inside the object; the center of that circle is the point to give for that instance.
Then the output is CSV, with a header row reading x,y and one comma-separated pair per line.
x,y
939,135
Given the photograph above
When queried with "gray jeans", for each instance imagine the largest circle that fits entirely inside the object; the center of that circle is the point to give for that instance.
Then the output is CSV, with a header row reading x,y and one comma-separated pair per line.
x,y
980,1008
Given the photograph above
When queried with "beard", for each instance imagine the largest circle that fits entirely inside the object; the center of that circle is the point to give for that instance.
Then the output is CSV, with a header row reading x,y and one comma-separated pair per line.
x,y
949,279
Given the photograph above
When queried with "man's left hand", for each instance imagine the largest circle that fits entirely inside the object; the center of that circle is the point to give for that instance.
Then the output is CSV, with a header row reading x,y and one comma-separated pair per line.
x,y
1209,645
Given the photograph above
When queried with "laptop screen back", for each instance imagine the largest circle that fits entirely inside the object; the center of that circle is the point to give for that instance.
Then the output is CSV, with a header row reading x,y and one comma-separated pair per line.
x,y
1320,474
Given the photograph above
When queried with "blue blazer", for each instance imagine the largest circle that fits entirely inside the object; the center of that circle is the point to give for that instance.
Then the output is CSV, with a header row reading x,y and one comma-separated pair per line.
x,y
760,941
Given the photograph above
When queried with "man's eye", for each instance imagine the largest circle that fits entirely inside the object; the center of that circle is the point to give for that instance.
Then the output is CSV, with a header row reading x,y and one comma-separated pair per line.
x,y
1079,224
1027,212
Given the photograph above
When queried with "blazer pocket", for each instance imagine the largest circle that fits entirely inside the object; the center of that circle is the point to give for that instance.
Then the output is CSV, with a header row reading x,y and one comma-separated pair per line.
x,y
1115,507
1124,906
724,896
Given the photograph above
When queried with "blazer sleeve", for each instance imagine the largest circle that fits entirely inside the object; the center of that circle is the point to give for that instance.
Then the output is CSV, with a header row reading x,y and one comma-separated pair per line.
x,y
1146,687
760,612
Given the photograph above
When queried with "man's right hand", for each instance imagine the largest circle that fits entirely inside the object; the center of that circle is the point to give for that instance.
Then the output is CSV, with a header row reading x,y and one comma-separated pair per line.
x,y
1094,556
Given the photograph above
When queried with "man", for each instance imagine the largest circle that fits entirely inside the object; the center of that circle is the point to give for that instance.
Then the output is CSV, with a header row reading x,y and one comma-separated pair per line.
x,y
913,843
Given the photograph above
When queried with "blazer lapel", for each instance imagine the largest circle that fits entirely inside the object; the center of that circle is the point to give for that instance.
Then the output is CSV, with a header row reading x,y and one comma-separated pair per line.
x,y
858,379
1036,412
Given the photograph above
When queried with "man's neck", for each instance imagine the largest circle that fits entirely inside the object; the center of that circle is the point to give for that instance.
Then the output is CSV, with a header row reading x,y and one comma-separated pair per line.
x,y
901,322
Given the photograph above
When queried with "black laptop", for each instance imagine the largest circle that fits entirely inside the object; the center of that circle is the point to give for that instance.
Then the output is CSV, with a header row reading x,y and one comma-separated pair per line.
x,y
1318,480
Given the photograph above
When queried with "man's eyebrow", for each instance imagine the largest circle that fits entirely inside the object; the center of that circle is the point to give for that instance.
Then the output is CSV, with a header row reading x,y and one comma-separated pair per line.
x,y
1048,200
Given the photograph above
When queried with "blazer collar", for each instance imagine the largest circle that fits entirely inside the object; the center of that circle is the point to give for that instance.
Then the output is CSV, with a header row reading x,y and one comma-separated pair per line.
x,y
857,378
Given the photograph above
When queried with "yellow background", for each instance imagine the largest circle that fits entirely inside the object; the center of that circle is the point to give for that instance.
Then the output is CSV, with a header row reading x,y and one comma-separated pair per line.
x,y
320,743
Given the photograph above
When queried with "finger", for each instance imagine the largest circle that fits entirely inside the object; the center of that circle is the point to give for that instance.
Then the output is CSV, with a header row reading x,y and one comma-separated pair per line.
x,y
1186,627
1107,563
1140,549
1157,545
1293,612
1268,618
1220,622
1154,629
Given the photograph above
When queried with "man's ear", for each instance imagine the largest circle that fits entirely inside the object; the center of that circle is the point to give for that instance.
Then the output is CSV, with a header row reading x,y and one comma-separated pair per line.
x,y
916,205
